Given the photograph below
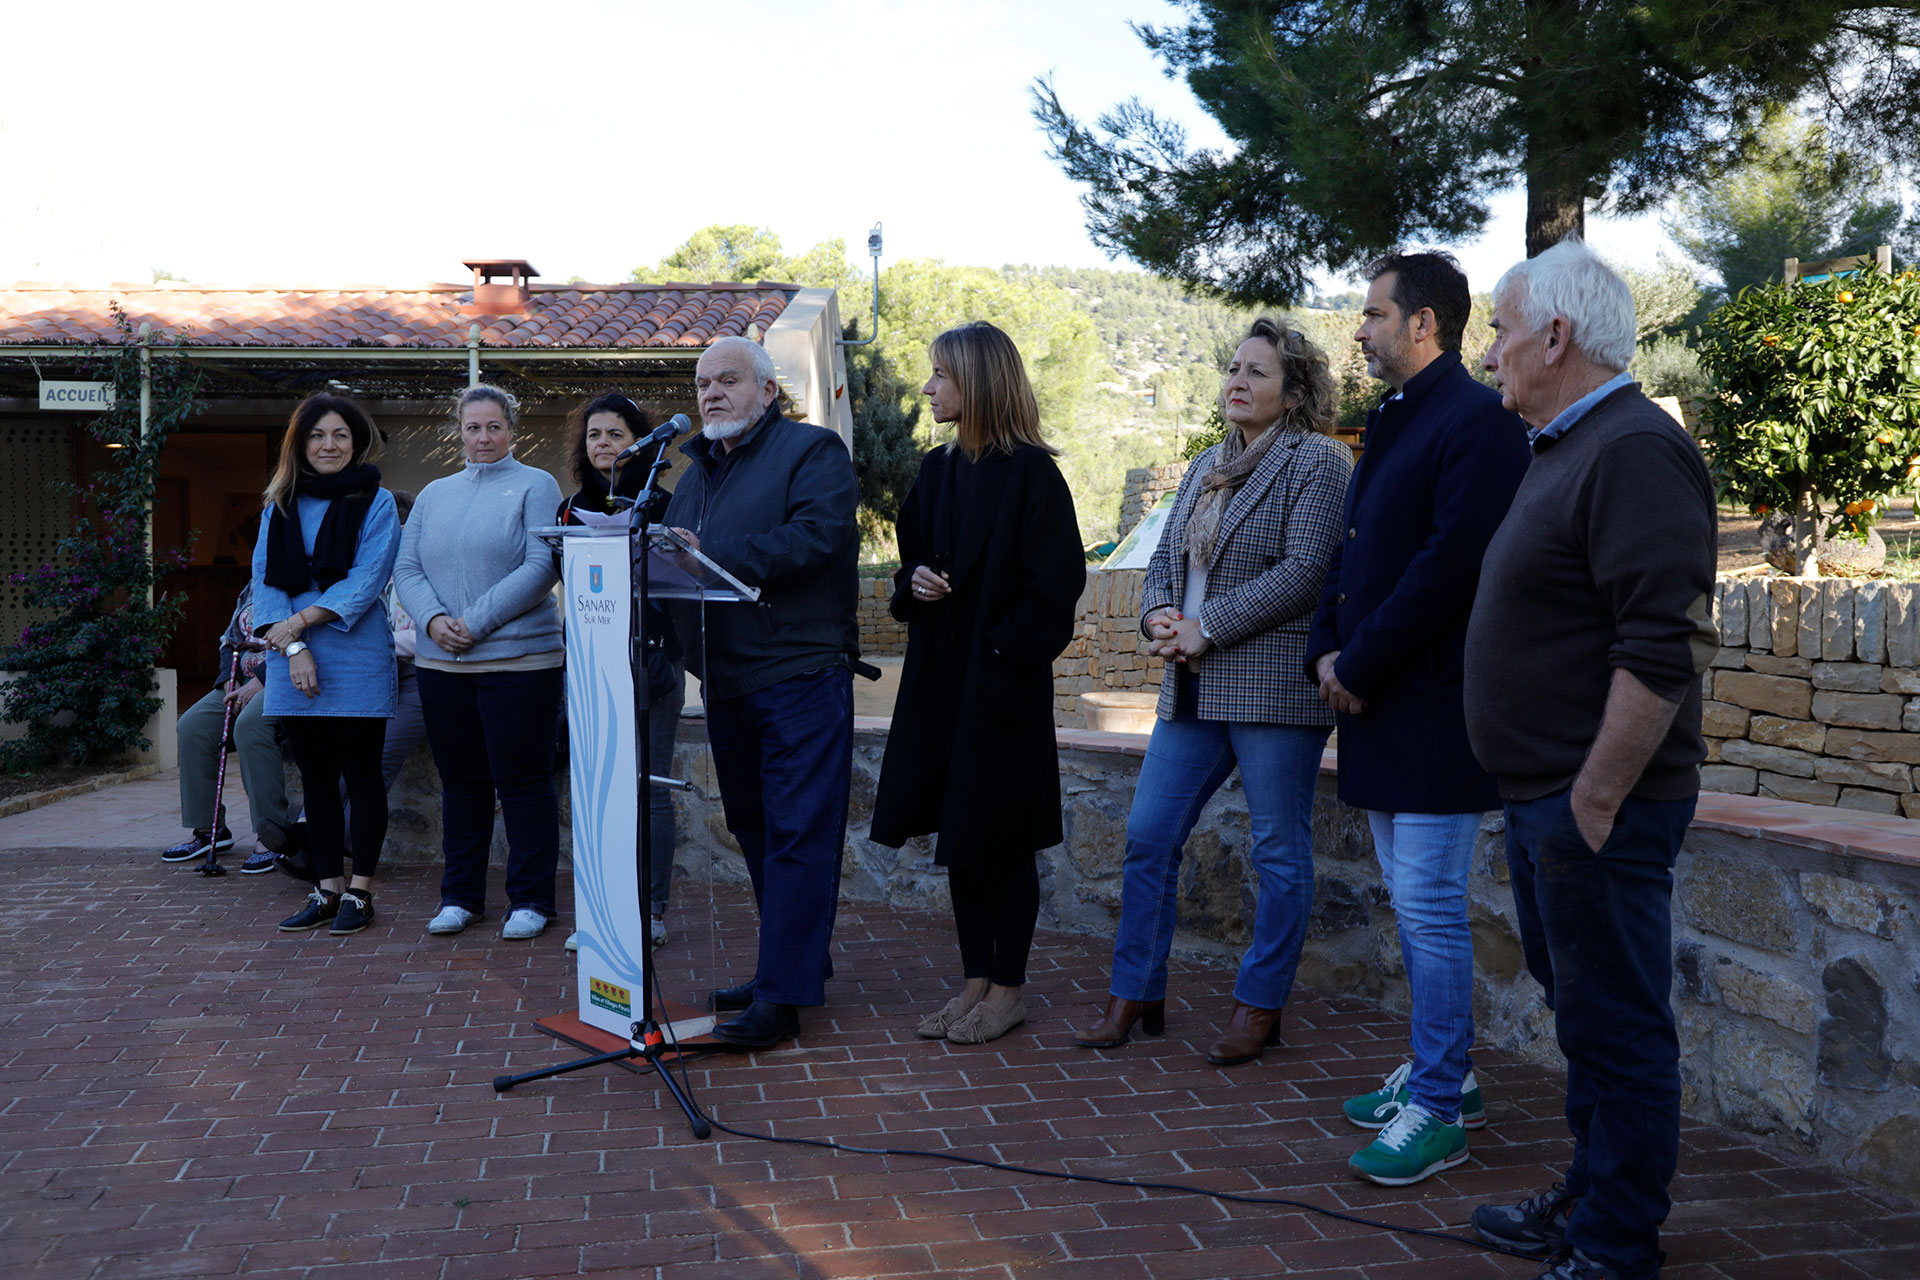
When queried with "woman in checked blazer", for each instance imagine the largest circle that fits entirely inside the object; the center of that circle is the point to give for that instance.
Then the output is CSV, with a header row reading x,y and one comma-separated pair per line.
x,y
1228,601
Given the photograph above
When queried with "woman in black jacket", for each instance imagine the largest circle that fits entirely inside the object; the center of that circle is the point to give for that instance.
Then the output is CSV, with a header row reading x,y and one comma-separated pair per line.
x,y
597,433
989,585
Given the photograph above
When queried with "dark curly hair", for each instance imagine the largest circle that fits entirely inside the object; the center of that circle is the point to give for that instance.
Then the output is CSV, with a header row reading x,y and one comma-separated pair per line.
x,y
638,421
1312,395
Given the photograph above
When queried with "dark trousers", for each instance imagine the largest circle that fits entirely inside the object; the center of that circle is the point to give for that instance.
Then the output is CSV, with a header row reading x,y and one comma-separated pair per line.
x,y
493,733
1597,929
663,724
328,749
784,759
994,910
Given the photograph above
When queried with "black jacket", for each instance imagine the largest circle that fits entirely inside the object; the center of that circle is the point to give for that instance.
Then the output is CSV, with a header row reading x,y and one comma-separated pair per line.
x,y
971,752
1441,466
778,514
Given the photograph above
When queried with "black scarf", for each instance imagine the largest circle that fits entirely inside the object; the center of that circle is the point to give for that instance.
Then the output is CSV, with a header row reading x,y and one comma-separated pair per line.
x,y
627,483
350,492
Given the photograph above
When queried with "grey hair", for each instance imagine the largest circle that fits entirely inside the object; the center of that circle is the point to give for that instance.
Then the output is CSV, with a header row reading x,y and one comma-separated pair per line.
x,y
757,358
1572,282
508,402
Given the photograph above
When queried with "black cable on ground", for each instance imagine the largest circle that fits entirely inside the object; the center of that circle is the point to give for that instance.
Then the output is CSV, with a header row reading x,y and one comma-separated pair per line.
x,y
1139,1184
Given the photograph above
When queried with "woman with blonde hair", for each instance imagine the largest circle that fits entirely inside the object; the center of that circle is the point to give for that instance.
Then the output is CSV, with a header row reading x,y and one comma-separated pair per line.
x,y
479,587
989,584
320,566
1228,600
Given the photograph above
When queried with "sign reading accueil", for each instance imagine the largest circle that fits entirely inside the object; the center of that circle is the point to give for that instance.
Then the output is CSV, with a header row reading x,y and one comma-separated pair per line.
x,y
83,396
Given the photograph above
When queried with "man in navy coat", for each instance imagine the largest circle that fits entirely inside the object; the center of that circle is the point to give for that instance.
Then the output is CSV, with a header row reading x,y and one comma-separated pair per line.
x,y
1441,465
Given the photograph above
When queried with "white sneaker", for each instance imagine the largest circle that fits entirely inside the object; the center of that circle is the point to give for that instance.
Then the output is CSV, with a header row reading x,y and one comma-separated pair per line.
x,y
573,941
657,930
524,922
451,920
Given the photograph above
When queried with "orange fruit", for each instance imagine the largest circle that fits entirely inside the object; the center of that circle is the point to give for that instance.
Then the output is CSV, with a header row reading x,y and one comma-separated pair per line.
x,y
1853,508
1773,339
1884,438
1867,506
1762,508
1846,295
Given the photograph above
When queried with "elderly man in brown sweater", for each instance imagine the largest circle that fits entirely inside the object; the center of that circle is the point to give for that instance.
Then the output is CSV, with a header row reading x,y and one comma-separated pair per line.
x,y
1583,699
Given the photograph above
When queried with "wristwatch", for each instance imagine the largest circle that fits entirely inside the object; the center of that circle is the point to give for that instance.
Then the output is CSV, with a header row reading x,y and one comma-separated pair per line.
x,y
297,647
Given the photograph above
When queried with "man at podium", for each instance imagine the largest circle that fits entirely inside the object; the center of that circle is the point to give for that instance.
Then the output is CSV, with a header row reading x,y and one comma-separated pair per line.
x,y
772,502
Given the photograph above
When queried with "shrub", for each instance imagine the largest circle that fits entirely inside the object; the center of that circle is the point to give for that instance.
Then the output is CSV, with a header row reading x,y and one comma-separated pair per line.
x,y
1816,404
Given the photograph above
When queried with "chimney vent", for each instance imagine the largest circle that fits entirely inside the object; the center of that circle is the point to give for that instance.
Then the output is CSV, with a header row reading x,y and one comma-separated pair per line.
x,y
493,297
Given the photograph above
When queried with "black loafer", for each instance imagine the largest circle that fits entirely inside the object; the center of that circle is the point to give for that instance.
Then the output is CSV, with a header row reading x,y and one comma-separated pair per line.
x,y
297,863
764,1025
731,999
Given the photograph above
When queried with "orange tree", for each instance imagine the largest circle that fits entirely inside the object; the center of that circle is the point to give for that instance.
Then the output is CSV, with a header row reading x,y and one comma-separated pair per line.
x,y
1816,408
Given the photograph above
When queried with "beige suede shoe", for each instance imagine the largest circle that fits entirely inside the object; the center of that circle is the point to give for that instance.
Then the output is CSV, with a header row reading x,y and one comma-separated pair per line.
x,y
987,1021
936,1024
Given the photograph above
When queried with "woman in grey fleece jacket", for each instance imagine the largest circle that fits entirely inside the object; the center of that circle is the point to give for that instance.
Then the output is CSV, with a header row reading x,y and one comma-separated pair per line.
x,y
489,657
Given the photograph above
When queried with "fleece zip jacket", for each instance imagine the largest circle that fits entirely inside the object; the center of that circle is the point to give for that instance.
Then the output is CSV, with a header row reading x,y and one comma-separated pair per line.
x,y
468,552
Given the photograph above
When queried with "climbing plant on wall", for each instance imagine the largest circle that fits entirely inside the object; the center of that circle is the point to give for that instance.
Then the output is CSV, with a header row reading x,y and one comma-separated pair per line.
x,y
83,681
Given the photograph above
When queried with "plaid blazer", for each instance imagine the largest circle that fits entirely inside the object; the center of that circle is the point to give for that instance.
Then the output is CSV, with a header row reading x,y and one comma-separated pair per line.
x,y
1276,538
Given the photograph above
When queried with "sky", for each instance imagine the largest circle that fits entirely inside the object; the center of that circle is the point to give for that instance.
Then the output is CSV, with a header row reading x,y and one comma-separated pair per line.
x,y
355,143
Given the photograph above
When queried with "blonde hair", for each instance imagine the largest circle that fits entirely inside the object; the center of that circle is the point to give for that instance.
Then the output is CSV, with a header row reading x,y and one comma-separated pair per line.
x,y
486,391
1305,377
997,405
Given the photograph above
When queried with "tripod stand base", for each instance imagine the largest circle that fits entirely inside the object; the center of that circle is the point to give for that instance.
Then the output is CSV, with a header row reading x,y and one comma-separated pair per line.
x,y
687,1022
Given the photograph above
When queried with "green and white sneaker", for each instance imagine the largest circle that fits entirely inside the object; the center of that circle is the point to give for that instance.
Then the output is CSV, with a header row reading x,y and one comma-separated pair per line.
x,y
1376,1110
1413,1146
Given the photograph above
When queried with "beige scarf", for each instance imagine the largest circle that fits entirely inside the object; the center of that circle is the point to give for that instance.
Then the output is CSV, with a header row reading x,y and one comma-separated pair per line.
x,y
1232,465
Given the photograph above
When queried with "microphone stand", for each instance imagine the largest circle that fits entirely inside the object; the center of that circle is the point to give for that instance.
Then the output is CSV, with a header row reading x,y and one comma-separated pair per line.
x,y
648,1040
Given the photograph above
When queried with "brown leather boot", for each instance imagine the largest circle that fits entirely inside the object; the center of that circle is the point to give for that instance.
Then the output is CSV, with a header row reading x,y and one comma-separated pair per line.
x,y
1119,1018
1248,1031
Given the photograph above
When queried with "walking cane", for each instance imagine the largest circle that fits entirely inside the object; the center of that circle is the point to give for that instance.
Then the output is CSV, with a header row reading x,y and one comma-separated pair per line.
x,y
213,867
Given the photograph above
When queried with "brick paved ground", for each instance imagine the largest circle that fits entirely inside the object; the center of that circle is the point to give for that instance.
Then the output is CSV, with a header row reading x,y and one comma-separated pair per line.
x,y
191,1093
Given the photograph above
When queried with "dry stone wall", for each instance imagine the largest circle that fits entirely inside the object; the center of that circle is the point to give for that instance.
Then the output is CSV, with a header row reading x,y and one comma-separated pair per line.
x,y
1814,695
1799,1016
1107,652
1144,488
880,633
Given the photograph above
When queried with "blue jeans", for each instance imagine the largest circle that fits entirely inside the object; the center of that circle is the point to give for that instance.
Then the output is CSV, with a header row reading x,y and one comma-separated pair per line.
x,y
784,759
1424,859
1597,929
494,732
1187,761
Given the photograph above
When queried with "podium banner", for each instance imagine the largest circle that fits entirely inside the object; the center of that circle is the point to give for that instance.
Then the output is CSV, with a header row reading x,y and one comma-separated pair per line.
x,y
613,948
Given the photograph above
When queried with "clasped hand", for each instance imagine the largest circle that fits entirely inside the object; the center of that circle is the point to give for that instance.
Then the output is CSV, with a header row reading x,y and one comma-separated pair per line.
x,y
450,634
284,632
1332,692
1174,636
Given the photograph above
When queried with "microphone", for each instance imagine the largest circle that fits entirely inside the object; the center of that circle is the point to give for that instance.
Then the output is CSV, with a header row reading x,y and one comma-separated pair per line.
x,y
666,431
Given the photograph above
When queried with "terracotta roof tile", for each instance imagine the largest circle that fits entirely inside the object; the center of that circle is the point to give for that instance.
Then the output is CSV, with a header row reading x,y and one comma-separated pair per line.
x,y
557,316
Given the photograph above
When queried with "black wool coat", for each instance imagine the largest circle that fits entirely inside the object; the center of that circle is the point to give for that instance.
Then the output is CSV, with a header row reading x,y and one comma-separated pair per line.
x,y
971,754
1442,462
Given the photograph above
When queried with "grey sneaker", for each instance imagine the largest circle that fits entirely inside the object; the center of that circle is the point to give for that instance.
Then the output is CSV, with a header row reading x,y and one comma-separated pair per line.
x,y
1534,1228
657,931
451,920
523,922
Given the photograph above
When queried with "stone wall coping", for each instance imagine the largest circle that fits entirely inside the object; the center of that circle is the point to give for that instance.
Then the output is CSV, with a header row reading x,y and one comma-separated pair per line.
x,y
1875,837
